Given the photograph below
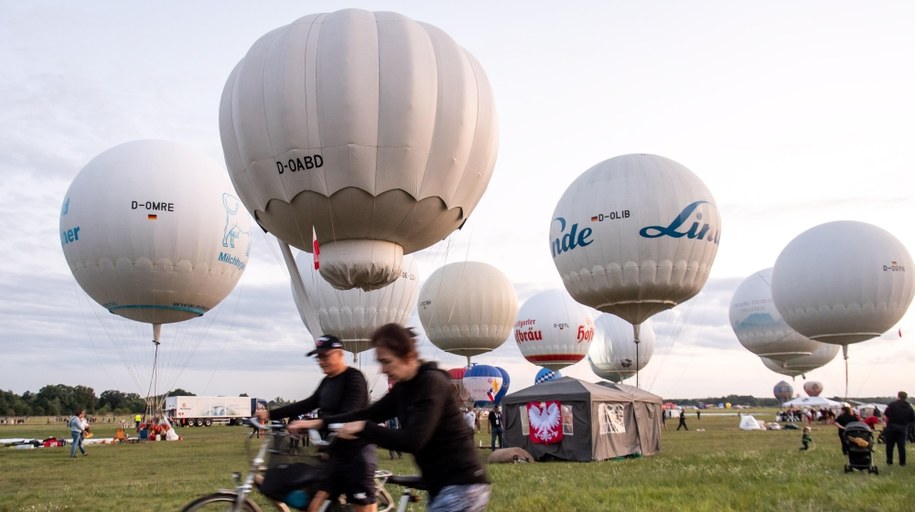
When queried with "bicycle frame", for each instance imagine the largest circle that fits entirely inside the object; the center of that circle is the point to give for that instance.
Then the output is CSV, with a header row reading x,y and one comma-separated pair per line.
x,y
244,486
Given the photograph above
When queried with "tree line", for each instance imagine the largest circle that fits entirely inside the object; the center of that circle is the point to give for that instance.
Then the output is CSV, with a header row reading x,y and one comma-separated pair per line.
x,y
63,400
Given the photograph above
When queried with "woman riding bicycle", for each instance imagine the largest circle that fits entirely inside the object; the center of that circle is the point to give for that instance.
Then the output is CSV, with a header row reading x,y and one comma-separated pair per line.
x,y
431,424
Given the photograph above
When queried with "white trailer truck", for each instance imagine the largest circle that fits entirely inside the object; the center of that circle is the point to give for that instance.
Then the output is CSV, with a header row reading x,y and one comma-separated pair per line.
x,y
203,411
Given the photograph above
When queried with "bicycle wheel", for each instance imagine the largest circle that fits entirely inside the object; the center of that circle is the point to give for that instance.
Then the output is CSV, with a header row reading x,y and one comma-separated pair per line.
x,y
220,501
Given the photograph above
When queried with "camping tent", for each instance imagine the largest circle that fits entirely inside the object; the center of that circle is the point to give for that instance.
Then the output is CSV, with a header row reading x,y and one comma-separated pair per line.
x,y
599,421
811,401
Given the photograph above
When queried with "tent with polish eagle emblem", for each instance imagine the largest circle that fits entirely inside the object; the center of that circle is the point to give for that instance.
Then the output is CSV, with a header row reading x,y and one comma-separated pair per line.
x,y
573,420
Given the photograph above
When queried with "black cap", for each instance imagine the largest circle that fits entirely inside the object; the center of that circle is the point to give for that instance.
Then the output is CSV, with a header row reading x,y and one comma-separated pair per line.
x,y
325,343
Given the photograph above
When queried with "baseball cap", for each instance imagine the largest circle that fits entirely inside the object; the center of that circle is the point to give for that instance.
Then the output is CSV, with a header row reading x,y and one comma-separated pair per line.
x,y
325,343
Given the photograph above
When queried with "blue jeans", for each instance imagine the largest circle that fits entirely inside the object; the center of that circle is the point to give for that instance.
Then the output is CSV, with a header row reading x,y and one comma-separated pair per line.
x,y
76,443
461,498
497,434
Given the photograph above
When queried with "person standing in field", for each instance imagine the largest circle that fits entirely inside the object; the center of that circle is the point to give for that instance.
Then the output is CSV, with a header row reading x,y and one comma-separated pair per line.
x,y
899,415
495,424
76,432
842,421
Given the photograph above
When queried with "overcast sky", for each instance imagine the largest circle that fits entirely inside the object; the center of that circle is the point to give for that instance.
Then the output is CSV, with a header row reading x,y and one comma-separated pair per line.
x,y
792,113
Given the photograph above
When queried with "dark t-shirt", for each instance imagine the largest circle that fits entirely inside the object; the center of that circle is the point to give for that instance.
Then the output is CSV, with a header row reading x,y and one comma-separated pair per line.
x,y
341,393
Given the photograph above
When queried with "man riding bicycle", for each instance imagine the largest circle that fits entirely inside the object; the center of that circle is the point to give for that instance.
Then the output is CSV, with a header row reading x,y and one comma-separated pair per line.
x,y
352,463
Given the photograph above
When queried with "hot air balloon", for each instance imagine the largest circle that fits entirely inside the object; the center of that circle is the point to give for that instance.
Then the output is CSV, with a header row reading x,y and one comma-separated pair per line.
x,y
635,235
467,308
546,375
152,231
783,392
759,326
553,330
457,384
482,382
612,355
813,388
800,365
353,315
503,390
843,282
375,132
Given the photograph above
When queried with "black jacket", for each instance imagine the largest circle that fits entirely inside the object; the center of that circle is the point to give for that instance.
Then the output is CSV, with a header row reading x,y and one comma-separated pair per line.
x,y
432,428
899,413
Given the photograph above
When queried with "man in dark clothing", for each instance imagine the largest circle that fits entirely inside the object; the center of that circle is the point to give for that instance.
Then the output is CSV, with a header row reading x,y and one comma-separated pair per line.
x,y
899,415
682,423
841,422
495,426
351,468
431,426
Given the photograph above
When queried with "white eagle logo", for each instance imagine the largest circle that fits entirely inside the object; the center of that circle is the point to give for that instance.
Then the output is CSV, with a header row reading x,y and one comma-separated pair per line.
x,y
545,420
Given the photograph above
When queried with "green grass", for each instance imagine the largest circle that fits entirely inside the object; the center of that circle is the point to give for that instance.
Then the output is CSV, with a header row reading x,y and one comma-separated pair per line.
x,y
719,469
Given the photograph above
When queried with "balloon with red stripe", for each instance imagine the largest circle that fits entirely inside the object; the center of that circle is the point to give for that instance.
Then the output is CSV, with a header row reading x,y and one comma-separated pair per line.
x,y
554,331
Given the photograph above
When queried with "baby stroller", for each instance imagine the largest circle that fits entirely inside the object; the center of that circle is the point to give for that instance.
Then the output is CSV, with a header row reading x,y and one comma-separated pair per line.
x,y
860,440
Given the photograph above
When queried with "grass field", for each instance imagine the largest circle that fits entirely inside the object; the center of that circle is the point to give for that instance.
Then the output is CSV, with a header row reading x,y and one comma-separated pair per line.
x,y
713,467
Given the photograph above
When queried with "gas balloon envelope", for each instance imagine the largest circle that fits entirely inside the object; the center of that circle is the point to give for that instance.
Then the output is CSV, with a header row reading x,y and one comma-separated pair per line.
x,y
843,282
374,132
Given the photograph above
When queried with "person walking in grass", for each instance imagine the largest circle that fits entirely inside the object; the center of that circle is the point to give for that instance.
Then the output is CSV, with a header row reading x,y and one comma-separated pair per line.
x,y
806,439
682,423
76,432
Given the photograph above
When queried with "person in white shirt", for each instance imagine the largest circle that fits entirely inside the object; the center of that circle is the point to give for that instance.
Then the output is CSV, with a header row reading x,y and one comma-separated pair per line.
x,y
471,419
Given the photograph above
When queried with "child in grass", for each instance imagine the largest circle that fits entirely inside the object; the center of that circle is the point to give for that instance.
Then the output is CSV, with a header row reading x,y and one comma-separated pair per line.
x,y
806,439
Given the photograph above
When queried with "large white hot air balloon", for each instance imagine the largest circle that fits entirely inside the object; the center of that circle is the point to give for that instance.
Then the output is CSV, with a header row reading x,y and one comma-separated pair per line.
x,y
635,235
613,356
759,326
153,232
843,282
553,330
377,131
353,315
467,308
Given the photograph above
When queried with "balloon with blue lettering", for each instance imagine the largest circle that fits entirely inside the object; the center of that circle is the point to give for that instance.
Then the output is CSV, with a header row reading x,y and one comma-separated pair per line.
x,y
506,382
353,315
467,308
635,235
783,392
546,375
376,132
153,232
801,365
759,326
613,355
482,382
843,282
553,330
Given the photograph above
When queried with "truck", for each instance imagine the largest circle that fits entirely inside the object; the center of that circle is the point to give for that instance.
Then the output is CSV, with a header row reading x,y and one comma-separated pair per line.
x,y
203,411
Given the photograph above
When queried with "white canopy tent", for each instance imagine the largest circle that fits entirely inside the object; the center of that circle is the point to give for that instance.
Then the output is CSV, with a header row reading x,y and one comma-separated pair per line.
x,y
811,401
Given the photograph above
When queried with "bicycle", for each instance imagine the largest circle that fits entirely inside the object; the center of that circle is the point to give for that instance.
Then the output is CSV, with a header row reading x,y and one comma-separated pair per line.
x,y
239,500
